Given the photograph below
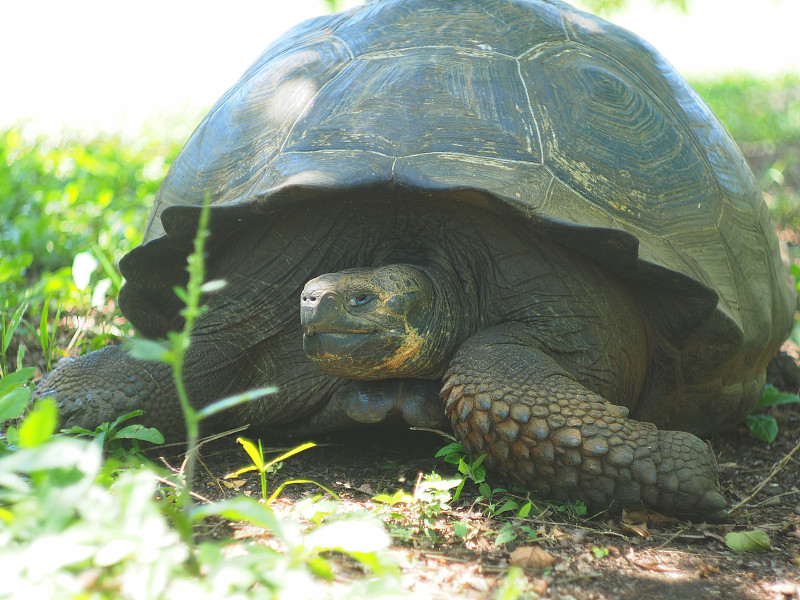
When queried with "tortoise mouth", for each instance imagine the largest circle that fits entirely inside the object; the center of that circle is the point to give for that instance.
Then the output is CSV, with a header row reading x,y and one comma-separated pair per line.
x,y
348,345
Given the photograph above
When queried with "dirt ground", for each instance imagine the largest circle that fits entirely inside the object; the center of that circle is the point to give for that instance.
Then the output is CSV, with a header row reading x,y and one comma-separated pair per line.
x,y
593,557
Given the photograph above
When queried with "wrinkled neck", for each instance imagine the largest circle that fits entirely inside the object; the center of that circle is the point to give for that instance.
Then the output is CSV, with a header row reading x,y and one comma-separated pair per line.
x,y
453,318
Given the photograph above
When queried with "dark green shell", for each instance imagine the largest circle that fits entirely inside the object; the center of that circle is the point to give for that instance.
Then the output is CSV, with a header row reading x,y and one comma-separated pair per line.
x,y
531,107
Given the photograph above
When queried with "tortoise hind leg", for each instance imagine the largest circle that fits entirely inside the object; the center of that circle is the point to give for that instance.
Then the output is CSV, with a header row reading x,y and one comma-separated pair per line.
x,y
506,397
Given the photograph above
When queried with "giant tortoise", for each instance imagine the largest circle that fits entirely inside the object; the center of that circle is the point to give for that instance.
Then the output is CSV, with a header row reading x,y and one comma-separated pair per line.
x,y
508,212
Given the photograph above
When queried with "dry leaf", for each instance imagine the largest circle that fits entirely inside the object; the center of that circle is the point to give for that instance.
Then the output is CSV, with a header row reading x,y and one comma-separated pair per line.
x,y
538,586
707,570
640,530
233,483
531,557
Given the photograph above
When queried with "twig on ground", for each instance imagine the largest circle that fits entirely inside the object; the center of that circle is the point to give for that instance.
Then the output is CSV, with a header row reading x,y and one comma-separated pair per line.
x,y
776,468
172,484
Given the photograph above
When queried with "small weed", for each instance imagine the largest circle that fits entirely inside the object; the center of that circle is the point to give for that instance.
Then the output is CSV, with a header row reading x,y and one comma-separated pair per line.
x,y
256,454
600,553
8,327
110,438
574,507
47,337
765,427
15,394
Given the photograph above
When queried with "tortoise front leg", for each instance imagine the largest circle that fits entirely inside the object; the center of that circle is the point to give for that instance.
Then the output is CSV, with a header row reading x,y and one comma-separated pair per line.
x,y
100,386
506,397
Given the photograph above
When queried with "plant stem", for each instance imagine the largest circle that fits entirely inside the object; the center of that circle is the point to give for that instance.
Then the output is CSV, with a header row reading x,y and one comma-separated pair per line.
x,y
180,345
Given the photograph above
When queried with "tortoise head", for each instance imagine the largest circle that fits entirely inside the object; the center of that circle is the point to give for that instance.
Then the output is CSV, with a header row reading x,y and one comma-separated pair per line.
x,y
371,323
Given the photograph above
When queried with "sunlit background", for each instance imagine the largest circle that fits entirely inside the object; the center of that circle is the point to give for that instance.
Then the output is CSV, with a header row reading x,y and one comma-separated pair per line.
x,y
98,65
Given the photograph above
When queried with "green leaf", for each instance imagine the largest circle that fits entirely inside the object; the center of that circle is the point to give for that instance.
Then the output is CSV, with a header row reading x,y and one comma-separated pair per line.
x,y
40,424
252,452
8,330
241,471
454,448
147,350
773,397
321,568
525,510
460,530
402,496
764,427
240,508
213,286
748,541
13,403
232,401
292,452
441,485
125,417
15,379
506,534
142,433
507,506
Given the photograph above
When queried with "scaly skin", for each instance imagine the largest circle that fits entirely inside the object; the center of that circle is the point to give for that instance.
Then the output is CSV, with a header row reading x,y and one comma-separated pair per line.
x,y
542,428
100,386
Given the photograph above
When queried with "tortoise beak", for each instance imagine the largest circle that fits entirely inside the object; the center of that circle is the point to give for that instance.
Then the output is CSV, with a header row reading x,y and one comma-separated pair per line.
x,y
320,308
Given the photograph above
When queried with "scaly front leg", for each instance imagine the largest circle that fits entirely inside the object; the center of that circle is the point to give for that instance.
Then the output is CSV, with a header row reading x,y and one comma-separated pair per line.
x,y
506,397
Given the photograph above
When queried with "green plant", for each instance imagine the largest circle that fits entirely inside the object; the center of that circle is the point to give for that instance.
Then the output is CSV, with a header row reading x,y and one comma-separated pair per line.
x,y
110,438
173,351
497,500
8,327
765,427
15,394
47,336
73,526
256,454
575,507
513,585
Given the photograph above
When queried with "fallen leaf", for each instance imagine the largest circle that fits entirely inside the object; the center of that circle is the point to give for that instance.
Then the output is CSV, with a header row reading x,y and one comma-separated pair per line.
x,y
538,586
748,541
531,557
707,570
233,483
638,529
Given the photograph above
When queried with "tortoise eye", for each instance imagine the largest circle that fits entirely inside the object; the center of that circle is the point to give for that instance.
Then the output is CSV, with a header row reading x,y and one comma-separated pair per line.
x,y
360,299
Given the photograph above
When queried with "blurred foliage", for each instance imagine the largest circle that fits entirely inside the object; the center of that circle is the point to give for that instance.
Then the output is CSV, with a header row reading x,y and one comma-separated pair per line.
x,y
332,5
607,7
763,115
59,200
600,7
